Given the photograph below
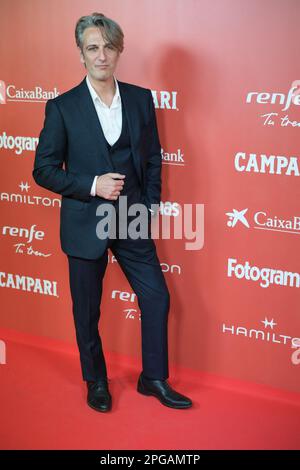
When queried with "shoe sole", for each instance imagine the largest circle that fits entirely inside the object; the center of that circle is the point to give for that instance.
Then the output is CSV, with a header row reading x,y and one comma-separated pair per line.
x,y
177,407
98,409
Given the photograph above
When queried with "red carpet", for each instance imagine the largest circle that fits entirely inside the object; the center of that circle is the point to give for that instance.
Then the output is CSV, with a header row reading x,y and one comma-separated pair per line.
x,y
42,406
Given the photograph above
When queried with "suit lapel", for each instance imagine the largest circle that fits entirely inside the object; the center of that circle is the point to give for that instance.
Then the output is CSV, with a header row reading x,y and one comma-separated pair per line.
x,y
90,117
133,119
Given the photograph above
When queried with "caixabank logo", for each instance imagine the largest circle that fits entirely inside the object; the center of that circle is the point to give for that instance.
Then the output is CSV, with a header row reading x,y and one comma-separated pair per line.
x,y
173,158
36,94
263,220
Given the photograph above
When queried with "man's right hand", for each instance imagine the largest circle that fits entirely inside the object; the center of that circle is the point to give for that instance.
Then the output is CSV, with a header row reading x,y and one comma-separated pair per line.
x,y
110,185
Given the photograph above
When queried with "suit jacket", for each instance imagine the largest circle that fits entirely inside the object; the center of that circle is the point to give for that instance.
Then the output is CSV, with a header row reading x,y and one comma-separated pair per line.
x,y
72,151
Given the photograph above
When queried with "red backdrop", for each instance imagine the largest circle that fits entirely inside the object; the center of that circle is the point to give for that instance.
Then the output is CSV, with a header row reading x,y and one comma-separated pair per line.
x,y
227,64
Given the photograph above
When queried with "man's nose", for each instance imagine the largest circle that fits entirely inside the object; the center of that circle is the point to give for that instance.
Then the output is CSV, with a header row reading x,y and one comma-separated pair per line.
x,y
101,54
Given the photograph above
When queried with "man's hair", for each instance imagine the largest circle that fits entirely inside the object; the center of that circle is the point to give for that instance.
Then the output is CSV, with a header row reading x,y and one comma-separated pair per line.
x,y
111,31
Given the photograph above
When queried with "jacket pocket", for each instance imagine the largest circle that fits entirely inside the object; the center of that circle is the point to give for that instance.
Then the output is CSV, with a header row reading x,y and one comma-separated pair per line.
x,y
73,204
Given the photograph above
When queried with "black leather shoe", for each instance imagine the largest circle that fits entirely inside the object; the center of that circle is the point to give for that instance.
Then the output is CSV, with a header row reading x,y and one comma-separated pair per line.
x,y
99,397
162,390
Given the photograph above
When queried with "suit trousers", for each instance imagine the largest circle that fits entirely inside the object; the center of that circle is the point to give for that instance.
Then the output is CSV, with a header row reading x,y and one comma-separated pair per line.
x,y
139,261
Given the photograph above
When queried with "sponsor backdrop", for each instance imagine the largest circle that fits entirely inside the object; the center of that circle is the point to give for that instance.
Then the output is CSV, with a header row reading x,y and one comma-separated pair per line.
x,y
224,79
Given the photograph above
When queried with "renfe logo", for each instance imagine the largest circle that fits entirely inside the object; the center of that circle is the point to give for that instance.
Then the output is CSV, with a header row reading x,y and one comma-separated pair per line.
x,y
285,99
2,92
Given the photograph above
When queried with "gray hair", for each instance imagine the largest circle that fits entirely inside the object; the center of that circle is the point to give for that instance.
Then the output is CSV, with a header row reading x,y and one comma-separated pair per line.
x,y
112,32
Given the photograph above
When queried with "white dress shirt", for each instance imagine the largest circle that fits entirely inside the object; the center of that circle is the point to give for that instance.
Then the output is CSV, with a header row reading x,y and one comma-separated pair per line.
x,y
110,118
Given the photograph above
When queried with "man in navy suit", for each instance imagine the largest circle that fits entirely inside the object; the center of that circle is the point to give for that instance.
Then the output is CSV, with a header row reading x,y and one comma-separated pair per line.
x,y
100,143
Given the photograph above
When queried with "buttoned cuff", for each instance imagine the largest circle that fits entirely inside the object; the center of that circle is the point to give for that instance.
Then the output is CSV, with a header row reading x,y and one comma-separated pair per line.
x,y
93,188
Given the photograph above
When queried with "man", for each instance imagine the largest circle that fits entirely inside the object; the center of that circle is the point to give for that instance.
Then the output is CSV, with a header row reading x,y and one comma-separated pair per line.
x,y
100,143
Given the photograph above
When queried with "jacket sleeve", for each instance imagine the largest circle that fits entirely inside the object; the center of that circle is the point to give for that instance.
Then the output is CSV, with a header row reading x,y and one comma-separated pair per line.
x,y
50,155
154,159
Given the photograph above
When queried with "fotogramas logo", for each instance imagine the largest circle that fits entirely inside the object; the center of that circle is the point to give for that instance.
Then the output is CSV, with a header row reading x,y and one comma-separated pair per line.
x,y
264,276
36,94
2,92
277,103
267,334
262,220
18,144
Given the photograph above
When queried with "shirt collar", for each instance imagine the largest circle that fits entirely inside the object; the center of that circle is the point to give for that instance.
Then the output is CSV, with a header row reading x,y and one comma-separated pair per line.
x,y
96,97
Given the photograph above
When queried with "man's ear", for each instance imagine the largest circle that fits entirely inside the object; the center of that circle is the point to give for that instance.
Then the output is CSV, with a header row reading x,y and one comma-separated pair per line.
x,y
82,60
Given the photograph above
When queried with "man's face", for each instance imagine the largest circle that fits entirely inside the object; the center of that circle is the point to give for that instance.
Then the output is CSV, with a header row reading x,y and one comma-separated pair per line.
x,y
99,56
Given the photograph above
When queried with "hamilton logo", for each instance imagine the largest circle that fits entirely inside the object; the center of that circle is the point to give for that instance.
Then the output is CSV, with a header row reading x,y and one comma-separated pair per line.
x,y
266,334
24,196
23,186
267,323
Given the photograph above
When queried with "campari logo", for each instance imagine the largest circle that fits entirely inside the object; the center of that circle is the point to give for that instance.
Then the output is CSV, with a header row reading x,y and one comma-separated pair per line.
x,y
165,99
